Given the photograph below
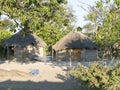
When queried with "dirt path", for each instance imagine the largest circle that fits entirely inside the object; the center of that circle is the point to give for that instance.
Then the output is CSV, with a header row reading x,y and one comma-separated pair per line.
x,y
52,76
39,85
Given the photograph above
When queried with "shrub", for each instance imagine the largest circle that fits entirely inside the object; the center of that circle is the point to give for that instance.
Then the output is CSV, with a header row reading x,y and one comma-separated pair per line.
x,y
98,76
3,35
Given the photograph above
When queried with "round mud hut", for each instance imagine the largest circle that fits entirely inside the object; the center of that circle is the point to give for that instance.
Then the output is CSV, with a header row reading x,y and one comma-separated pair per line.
x,y
23,46
75,46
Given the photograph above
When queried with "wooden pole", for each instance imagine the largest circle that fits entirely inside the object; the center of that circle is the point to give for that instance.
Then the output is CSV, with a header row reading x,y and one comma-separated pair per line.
x,y
52,54
3,53
7,52
70,58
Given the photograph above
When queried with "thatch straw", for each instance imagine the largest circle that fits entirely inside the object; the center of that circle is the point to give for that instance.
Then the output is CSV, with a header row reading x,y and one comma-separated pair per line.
x,y
74,39
19,39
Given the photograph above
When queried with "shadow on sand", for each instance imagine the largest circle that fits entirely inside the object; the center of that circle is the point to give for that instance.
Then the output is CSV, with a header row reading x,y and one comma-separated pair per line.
x,y
42,85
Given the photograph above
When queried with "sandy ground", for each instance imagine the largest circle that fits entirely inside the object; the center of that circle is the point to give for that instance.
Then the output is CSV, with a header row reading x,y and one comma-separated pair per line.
x,y
52,76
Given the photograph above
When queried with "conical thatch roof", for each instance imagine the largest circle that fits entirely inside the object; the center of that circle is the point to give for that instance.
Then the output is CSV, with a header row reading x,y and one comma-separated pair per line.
x,y
74,39
19,39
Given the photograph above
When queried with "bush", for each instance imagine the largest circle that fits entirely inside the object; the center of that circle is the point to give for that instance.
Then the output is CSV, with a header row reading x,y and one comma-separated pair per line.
x,y
4,35
98,76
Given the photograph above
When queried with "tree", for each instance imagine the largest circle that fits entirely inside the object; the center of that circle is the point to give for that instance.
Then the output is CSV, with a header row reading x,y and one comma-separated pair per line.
x,y
79,29
5,24
49,19
88,27
4,35
105,16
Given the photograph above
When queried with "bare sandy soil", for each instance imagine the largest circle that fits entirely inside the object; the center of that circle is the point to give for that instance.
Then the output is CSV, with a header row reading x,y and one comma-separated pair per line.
x,y
52,76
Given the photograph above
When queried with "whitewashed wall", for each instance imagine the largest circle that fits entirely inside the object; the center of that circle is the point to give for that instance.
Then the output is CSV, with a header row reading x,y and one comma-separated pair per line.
x,y
28,52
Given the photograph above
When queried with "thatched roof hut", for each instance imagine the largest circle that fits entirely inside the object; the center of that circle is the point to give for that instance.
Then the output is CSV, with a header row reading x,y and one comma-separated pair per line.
x,y
21,39
24,44
75,41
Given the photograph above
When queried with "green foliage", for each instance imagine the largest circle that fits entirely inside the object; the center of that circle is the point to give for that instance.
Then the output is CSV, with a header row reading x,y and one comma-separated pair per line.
x,y
91,16
88,26
4,35
117,2
98,76
114,80
79,29
104,17
99,4
49,19
110,29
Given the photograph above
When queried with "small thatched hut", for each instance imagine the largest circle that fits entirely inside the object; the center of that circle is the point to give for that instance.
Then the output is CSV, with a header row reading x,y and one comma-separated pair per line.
x,y
75,46
24,46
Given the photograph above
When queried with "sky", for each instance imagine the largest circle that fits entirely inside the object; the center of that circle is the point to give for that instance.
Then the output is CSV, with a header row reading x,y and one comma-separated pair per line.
x,y
79,12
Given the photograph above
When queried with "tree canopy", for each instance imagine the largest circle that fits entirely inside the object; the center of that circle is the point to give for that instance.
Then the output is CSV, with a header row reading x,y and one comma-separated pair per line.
x,y
4,35
105,16
49,19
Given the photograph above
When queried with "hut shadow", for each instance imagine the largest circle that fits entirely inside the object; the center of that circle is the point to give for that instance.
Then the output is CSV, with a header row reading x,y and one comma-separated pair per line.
x,y
1,62
43,85
68,77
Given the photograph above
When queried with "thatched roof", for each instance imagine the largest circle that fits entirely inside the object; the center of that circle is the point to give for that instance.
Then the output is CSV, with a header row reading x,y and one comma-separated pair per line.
x,y
74,39
19,39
